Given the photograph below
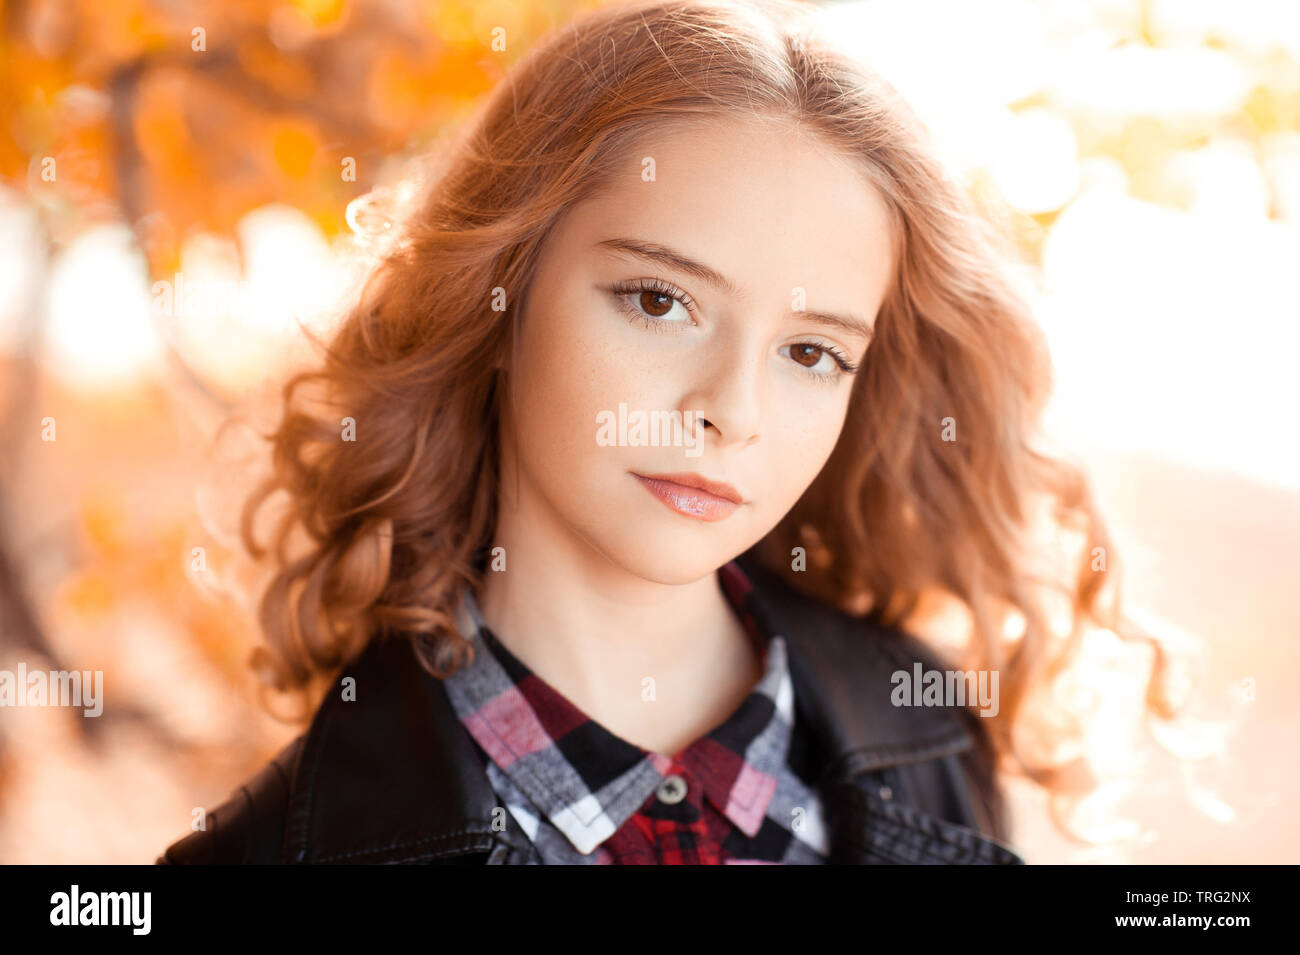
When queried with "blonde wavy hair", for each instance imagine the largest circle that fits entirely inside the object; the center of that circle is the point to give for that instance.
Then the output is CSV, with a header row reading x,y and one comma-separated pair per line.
x,y
388,524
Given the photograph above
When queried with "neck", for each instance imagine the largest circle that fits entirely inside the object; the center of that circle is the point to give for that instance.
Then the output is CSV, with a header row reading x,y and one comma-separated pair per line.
x,y
657,664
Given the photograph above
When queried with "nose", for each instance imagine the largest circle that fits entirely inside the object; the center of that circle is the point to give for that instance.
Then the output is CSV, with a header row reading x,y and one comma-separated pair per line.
x,y
730,397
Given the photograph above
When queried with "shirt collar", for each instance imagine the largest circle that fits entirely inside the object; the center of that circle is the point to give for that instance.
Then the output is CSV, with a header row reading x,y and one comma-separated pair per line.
x,y
585,780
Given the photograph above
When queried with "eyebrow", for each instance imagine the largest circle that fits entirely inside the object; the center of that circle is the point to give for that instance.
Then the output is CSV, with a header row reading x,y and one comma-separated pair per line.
x,y
662,255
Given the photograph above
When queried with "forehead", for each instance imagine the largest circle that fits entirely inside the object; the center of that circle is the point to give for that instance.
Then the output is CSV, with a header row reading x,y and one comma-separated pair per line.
x,y
769,206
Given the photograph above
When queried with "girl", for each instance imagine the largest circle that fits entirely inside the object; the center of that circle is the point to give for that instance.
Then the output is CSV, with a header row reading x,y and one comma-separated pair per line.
x,y
689,380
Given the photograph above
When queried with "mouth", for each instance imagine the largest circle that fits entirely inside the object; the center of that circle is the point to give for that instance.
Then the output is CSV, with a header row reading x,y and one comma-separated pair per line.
x,y
693,495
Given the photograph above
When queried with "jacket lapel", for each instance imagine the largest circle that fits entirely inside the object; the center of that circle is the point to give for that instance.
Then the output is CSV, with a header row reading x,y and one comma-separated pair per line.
x,y
842,668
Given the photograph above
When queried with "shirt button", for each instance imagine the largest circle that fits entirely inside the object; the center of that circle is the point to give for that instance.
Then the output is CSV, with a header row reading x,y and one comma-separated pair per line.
x,y
671,790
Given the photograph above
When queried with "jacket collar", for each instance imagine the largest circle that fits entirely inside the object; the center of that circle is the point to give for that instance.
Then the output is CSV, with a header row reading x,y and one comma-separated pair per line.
x,y
843,670
422,795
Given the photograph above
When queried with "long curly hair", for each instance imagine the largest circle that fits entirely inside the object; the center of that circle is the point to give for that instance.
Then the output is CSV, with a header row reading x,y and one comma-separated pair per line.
x,y
386,455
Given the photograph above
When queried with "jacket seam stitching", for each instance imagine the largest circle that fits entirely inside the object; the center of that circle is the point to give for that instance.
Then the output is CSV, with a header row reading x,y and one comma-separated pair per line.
x,y
970,843
443,837
879,757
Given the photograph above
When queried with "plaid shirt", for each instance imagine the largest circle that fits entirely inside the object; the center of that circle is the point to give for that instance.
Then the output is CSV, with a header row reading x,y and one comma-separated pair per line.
x,y
741,794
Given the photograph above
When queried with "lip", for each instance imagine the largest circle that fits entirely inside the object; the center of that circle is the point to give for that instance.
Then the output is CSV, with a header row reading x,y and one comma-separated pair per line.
x,y
693,495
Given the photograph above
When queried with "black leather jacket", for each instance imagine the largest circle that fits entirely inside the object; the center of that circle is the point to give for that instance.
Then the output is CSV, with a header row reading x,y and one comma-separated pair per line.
x,y
392,776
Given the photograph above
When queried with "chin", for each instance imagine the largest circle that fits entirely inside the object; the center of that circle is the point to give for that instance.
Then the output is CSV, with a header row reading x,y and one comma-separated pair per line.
x,y
668,555
664,568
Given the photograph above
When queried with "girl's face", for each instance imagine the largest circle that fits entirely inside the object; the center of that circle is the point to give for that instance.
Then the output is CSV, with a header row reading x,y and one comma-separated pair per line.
x,y
701,318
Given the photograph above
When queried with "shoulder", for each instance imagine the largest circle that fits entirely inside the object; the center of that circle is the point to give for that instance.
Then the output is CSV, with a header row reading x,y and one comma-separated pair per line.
x,y
251,825
248,828
387,740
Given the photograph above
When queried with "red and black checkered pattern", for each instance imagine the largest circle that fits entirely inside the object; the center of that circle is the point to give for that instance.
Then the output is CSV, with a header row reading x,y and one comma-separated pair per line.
x,y
582,795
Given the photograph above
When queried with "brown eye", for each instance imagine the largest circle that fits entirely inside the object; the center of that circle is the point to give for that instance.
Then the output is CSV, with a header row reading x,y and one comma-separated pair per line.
x,y
656,303
806,355
811,356
650,302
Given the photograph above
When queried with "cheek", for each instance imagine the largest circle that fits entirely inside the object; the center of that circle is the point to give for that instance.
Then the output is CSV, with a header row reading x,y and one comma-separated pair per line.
x,y
573,363
802,436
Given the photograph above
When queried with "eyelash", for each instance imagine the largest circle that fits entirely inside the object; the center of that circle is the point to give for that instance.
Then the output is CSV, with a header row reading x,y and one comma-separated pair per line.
x,y
651,285
663,287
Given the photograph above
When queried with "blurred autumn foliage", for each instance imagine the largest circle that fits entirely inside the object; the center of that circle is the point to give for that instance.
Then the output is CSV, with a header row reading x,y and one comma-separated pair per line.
x,y
175,120
183,116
